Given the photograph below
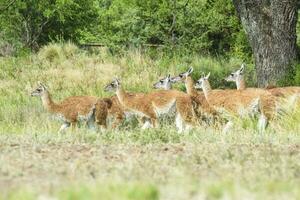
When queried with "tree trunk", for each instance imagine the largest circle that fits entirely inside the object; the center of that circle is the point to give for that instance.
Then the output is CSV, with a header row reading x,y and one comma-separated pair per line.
x,y
271,29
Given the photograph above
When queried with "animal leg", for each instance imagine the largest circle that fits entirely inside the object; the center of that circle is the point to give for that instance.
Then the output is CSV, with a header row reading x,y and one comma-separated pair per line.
x,y
147,124
188,127
186,116
179,123
153,118
262,123
91,124
102,124
117,121
254,107
228,126
63,127
73,126
101,113
142,120
154,122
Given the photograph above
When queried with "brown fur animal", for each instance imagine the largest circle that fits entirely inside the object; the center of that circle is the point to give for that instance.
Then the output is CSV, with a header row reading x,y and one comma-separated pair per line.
x,y
74,109
239,101
164,83
151,105
238,78
203,110
116,111
102,108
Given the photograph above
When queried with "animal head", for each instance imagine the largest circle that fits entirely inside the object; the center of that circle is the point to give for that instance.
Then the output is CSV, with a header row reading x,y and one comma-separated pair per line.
x,y
182,76
200,84
165,83
234,76
40,90
115,84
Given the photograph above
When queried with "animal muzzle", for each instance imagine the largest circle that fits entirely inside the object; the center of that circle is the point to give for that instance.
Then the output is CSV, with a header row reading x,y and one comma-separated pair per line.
x,y
33,94
176,79
107,88
226,79
155,86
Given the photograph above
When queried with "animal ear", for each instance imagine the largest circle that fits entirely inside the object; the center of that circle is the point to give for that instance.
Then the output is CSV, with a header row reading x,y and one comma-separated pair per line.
x,y
190,70
202,75
42,85
118,81
242,68
207,76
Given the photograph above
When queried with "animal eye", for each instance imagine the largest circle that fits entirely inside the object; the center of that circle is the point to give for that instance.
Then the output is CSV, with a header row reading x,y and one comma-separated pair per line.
x,y
161,81
231,74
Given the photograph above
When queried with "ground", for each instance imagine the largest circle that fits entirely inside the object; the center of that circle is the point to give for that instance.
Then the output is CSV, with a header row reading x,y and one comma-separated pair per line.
x,y
153,164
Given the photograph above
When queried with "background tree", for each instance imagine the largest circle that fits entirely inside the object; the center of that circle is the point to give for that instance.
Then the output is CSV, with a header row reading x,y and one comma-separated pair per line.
x,y
36,22
201,26
271,30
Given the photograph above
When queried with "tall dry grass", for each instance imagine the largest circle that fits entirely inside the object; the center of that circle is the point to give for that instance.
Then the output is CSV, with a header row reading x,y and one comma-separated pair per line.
x,y
68,70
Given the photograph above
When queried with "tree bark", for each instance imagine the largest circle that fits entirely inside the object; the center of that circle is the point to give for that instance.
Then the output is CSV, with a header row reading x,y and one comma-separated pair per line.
x,y
271,29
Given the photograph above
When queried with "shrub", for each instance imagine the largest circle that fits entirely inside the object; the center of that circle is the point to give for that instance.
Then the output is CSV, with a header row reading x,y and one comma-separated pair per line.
x,y
51,53
70,50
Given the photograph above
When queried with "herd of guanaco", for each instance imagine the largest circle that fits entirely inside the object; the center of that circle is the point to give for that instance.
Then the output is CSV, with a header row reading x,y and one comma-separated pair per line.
x,y
189,109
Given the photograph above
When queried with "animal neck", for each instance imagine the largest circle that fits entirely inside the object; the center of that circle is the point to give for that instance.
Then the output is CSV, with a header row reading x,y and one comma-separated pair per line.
x,y
121,94
168,86
48,103
189,84
206,88
240,83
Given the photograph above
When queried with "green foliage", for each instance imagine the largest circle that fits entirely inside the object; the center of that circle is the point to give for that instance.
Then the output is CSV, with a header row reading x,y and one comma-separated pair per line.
x,y
205,26
199,26
292,76
298,33
297,75
33,23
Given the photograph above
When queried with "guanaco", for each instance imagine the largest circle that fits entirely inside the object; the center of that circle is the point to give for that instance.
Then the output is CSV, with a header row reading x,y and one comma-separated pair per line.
x,y
75,109
164,83
238,78
236,101
151,105
116,112
202,108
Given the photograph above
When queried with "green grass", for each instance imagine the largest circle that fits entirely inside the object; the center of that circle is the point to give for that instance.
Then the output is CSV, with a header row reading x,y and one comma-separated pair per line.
x,y
38,163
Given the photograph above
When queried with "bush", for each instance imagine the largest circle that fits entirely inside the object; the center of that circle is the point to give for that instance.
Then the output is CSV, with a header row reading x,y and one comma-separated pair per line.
x,y
50,53
70,50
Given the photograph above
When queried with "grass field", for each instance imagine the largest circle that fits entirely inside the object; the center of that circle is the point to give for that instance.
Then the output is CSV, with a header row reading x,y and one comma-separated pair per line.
x,y
38,163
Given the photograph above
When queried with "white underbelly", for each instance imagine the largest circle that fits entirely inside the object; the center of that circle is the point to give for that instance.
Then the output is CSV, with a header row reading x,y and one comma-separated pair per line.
x,y
168,109
134,113
61,118
86,117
